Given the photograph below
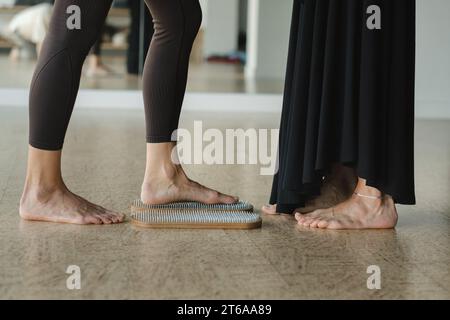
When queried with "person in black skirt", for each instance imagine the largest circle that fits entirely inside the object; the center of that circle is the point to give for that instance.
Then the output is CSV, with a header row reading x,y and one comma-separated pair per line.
x,y
346,151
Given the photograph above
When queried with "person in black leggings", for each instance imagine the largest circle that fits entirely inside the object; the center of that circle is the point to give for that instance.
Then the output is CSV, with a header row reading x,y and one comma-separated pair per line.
x,y
53,92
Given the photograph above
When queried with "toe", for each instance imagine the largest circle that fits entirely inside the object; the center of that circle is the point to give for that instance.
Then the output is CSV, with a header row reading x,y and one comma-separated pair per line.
x,y
302,218
112,218
306,222
101,210
118,217
91,219
104,218
322,224
309,222
315,223
115,217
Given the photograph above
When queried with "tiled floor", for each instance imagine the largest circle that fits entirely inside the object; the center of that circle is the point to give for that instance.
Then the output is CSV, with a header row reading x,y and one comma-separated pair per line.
x,y
104,161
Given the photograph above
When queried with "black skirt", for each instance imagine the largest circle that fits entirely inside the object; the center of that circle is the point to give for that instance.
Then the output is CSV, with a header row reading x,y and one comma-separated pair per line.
x,y
349,99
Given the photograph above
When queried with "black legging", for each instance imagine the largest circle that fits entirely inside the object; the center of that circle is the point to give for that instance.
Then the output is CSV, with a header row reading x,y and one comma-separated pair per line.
x,y
57,76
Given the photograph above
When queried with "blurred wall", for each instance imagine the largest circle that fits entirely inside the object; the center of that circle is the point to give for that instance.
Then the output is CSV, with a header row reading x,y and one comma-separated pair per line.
x,y
221,21
433,58
267,38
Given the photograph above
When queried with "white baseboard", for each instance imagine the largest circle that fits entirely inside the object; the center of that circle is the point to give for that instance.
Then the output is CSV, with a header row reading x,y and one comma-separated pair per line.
x,y
206,102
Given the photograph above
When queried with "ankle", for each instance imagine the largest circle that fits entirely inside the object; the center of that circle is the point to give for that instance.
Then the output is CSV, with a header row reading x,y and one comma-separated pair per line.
x,y
41,191
389,202
159,160
364,190
163,172
342,184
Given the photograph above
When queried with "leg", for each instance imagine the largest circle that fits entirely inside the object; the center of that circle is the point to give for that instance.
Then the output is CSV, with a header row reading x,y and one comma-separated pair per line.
x,y
176,23
52,95
368,208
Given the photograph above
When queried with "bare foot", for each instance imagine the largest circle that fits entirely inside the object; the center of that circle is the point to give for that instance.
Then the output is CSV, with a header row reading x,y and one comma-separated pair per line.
x,y
61,205
172,185
270,209
356,213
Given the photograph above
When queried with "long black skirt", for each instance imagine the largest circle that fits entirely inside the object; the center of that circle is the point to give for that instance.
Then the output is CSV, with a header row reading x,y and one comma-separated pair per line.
x,y
349,99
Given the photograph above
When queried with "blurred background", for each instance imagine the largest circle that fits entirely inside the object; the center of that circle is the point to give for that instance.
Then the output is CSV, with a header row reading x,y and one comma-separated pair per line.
x,y
227,56
241,49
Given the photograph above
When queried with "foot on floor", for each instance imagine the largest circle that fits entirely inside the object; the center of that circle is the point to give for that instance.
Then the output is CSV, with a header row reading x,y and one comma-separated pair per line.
x,y
356,213
61,205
